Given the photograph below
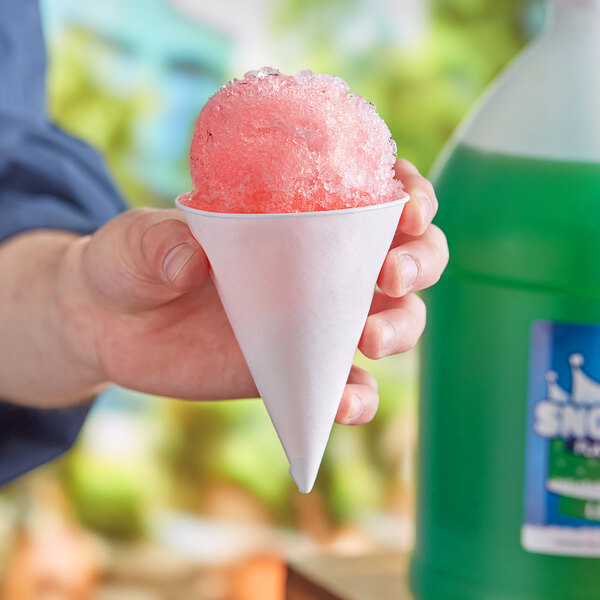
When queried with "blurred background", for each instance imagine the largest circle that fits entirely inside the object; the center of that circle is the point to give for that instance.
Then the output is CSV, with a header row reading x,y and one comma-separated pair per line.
x,y
170,499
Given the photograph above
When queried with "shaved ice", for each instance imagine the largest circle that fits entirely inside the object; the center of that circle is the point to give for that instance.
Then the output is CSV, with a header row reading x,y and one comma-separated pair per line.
x,y
272,143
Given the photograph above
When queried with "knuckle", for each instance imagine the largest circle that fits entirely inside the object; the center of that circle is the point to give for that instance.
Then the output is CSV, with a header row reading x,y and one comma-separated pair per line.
x,y
403,165
439,236
421,189
345,407
369,344
142,215
438,248
422,309
370,404
360,375
431,197
369,379
417,319
370,413
138,221
428,186
431,191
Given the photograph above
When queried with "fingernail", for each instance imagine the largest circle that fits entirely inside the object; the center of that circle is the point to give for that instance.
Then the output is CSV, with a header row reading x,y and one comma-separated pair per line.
x,y
408,270
176,259
388,336
356,407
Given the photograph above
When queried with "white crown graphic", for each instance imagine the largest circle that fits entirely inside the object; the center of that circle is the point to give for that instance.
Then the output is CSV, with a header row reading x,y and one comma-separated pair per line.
x,y
584,389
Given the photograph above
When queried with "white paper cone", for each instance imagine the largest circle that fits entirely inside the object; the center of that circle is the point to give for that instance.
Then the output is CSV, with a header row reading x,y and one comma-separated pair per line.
x,y
297,289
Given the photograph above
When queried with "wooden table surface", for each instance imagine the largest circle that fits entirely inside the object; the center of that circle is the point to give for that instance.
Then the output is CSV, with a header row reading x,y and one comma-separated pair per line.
x,y
373,577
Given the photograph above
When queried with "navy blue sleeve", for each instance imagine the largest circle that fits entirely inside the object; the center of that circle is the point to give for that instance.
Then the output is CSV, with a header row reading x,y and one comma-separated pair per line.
x,y
48,180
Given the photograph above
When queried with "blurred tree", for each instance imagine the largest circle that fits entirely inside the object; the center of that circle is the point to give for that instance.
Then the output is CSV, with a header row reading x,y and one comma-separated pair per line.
x,y
421,90
82,106
219,444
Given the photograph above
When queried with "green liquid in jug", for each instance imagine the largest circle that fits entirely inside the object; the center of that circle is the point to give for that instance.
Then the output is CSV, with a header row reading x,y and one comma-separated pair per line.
x,y
524,237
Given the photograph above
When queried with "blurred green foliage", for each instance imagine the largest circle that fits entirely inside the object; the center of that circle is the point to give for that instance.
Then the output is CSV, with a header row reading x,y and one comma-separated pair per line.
x,y
422,90
225,442
80,104
107,500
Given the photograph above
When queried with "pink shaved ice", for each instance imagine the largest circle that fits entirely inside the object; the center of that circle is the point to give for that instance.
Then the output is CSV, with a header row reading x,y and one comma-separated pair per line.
x,y
272,143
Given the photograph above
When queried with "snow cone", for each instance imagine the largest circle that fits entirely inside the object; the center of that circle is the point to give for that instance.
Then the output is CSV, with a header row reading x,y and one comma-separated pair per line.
x,y
295,204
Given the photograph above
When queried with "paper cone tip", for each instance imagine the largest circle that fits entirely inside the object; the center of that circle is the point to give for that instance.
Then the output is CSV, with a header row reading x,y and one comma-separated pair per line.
x,y
303,473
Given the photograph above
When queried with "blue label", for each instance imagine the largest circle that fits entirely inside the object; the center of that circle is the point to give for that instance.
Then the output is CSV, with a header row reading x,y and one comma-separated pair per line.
x,y
562,476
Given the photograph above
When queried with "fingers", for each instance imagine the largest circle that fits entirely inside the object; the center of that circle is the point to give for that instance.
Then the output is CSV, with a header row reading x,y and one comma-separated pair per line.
x,y
415,264
394,326
397,320
360,399
420,210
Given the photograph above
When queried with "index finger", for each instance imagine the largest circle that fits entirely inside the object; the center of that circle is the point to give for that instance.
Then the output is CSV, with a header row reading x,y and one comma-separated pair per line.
x,y
420,210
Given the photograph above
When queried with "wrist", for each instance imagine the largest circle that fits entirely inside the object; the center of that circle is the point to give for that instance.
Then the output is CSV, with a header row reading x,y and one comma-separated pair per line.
x,y
74,320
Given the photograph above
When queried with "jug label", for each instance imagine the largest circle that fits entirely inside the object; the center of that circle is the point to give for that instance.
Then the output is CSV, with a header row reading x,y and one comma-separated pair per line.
x,y
562,471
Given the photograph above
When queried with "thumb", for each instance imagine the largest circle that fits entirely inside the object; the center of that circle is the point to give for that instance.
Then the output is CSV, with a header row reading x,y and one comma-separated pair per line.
x,y
174,256
143,259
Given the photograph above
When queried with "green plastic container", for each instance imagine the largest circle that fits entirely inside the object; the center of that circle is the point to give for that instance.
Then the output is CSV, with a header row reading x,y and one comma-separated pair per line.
x,y
509,450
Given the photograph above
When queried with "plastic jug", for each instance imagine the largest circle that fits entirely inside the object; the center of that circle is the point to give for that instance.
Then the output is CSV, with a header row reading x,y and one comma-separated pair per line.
x,y
509,450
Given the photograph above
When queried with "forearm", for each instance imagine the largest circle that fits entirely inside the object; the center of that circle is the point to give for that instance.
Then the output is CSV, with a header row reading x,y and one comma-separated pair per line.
x,y
39,364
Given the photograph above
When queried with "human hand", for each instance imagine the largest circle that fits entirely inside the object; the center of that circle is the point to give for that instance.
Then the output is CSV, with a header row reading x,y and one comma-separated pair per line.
x,y
142,311
416,260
